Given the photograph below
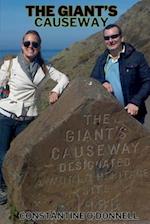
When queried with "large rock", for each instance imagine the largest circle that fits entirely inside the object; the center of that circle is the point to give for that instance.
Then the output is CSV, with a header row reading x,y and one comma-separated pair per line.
x,y
147,118
82,154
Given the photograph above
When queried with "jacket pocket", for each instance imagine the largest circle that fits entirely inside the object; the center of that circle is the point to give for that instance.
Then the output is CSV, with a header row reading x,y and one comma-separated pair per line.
x,y
131,69
132,73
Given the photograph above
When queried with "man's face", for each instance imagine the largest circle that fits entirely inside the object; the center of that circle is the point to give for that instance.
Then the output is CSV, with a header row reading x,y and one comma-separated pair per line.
x,y
112,38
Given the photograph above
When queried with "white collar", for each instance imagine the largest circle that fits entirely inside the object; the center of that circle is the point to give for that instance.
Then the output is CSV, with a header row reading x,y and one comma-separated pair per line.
x,y
115,59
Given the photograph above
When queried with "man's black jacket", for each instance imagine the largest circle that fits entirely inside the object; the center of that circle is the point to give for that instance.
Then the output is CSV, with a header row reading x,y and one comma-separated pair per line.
x,y
134,76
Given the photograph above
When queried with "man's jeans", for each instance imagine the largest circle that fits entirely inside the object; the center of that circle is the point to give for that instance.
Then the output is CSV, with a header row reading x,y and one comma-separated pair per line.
x,y
9,129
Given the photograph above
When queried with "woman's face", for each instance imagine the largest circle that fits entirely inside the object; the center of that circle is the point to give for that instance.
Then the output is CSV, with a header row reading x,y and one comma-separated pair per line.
x,y
30,47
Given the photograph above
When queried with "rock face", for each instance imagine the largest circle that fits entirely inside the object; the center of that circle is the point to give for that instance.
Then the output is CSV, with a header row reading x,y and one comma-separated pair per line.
x,y
82,154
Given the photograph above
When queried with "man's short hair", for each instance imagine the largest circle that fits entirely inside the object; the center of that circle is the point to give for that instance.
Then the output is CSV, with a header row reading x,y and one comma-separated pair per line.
x,y
112,26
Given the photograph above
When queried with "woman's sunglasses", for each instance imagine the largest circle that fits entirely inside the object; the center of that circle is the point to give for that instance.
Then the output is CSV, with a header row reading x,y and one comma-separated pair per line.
x,y
33,44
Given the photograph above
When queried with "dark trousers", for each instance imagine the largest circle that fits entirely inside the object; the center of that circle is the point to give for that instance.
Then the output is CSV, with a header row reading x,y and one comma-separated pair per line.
x,y
9,129
141,119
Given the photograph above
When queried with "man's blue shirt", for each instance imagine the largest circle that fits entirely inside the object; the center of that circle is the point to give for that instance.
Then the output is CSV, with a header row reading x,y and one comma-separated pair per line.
x,y
113,77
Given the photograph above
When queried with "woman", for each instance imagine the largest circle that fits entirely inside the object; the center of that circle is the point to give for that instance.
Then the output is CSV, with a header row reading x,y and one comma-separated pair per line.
x,y
27,72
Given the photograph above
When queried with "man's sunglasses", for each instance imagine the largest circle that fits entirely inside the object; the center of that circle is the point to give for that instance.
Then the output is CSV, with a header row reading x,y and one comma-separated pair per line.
x,y
33,44
112,36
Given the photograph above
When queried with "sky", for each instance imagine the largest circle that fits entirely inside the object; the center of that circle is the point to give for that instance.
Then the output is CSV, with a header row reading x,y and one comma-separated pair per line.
x,y
14,22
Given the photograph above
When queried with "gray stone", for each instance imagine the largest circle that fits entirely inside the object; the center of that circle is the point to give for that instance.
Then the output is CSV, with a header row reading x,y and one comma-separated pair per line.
x,y
82,154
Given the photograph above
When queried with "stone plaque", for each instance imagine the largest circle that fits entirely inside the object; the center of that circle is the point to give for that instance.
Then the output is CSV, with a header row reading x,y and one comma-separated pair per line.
x,y
84,160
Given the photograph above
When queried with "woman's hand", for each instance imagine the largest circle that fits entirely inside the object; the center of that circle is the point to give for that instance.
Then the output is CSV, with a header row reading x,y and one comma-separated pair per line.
x,y
53,97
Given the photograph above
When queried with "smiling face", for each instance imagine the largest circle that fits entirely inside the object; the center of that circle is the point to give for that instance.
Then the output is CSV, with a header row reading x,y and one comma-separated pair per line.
x,y
113,39
30,46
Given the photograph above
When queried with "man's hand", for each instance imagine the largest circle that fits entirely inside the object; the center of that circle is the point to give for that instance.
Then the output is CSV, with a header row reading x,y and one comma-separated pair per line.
x,y
53,97
132,109
108,87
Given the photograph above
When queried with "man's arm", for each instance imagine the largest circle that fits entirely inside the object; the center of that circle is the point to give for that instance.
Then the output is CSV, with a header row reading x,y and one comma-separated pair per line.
x,y
144,78
98,71
99,74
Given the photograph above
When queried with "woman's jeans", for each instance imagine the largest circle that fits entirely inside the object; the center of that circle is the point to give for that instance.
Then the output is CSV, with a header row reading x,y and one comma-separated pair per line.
x,y
9,129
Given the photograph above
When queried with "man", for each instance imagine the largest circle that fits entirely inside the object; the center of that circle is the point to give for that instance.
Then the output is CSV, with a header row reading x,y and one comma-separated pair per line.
x,y
124,72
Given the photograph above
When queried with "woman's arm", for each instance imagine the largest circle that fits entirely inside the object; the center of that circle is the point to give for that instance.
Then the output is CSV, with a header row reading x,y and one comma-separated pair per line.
x,y
62,81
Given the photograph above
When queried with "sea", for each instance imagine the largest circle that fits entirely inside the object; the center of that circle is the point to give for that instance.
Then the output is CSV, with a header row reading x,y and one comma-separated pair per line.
x,y
46,54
